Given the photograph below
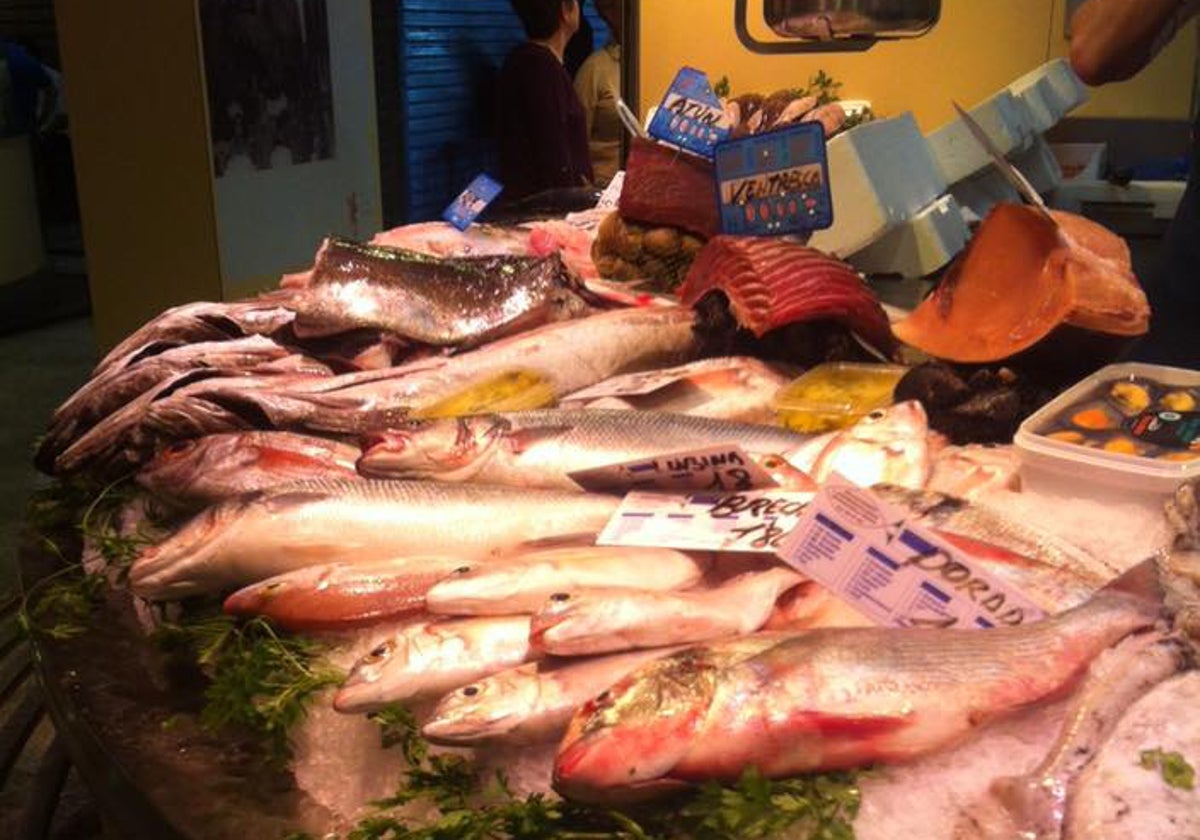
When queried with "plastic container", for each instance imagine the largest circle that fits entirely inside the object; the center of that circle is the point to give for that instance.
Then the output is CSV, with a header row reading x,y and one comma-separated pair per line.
x,y
1085,467
835,395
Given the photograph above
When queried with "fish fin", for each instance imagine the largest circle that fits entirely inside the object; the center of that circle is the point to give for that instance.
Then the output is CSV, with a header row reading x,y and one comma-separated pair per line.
x,y
576,540
520,440
854,726
1143,580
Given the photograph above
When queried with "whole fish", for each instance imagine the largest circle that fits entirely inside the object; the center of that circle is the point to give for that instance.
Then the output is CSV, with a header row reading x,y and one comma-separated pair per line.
x,y
739,388
831,699
460,302
203,321
524,582
542,448
259,535
432,658
202,471
973,471
606,620
890,445
340,596
531,703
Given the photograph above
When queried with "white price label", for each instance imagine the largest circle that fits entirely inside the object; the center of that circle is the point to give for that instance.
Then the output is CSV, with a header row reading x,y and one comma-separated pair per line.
x,y
611,197
894,571
715,468
755,521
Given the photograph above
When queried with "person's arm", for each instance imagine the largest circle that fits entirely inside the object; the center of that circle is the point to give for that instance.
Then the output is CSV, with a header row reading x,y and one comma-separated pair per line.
x,y
1111,40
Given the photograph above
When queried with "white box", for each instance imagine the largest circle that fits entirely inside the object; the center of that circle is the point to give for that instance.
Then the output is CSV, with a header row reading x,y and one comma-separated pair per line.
x,y
960,155
881,173
920,246
983,191
1039,166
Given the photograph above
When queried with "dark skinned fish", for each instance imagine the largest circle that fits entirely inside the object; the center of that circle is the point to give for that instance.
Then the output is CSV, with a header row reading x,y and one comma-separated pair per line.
x,y
460,302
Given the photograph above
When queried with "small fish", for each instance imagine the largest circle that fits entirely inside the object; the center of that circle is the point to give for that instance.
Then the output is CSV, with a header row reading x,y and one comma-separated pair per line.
x,y
606,620
890,445
202,471
340,596
529,704
542,448
969,472
460,302
525,581
311,523
833,699
432,658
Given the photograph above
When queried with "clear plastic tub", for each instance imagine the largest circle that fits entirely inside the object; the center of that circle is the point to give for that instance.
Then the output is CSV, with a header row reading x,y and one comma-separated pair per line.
x,y
1105,435
835,395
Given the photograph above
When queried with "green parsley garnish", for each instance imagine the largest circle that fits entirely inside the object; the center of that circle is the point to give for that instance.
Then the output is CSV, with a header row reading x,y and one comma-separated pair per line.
x,y
1174,768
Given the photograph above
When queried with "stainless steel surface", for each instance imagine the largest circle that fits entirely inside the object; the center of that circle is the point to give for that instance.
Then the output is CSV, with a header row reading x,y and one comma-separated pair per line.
x,y
1013,175
827,20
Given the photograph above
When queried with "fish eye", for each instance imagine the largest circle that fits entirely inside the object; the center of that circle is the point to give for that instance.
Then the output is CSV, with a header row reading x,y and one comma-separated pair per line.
x,y
462,570
470,691
877,414
603,696
378,653
560,597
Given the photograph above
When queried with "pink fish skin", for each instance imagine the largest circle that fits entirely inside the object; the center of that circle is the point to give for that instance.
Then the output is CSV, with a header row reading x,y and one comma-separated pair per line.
x,y
832,698
342,596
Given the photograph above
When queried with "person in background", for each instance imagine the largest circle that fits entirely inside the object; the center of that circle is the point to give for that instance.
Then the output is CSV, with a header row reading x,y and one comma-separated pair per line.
x,y
1112,40
543,130
581,44
598,84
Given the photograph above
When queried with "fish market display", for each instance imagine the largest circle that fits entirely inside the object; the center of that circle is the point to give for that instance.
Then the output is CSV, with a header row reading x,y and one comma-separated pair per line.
x,y
542,448
737,388
1021,277
531,703
606,620
459,302
432,658
827,699
772,282
315,522
201,471
525,582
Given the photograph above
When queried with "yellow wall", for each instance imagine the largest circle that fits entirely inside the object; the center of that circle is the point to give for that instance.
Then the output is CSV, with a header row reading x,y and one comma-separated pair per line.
x,y
140,138
977,47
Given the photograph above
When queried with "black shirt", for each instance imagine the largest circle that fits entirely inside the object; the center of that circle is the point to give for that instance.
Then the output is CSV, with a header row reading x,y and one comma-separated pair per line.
x,y
543,130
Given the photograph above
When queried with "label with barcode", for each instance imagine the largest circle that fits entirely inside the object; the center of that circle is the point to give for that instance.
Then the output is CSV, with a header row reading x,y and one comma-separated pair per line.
x,y
472,201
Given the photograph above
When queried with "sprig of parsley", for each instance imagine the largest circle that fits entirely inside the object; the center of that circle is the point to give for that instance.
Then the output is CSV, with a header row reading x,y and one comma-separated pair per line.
x,y
1174,768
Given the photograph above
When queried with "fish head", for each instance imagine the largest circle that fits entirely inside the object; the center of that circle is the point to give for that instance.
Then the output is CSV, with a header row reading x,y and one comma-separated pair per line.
x,y
172,466
569,615
623,744
186,562
363,690
469,585
448,449
888,445
485,709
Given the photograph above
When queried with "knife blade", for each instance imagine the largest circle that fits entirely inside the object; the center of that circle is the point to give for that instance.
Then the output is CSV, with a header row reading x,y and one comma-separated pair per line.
x,y
1011,174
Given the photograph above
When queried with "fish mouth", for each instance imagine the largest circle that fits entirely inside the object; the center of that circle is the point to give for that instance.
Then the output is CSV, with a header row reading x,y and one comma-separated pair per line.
x,y
466,731
251,600
176,568
355,698
382,451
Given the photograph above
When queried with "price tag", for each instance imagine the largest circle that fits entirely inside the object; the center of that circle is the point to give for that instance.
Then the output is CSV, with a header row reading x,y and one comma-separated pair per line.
x,y
691,115
774,183
611,197
894,571
717,468
633,384
756,521
474,200
1172,429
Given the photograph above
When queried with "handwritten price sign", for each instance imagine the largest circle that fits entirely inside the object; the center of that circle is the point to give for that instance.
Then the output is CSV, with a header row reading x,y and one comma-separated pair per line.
x,y
716,468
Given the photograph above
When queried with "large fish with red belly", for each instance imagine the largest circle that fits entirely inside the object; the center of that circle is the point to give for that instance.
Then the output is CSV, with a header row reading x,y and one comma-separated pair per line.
x,y
832,699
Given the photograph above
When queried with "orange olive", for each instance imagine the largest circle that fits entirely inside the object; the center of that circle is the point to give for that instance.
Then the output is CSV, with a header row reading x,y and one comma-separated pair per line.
x,y
1092,418
1066,436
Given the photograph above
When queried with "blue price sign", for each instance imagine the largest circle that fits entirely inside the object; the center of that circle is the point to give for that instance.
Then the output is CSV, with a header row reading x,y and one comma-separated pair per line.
x,y
691,115
775,183
474,200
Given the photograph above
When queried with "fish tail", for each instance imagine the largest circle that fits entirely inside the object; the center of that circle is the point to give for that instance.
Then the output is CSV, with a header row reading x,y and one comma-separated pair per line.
x,y
1143,581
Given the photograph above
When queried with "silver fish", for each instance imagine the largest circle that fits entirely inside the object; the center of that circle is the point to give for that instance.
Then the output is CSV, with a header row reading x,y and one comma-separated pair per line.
x,y
201,471
542,448
531,703
524,583
432,658
462,302
607,620
890,445
309,523
830,699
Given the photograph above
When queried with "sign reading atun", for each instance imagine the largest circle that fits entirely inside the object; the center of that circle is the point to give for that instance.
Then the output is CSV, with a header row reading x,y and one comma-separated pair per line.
x,y
775,183
691,116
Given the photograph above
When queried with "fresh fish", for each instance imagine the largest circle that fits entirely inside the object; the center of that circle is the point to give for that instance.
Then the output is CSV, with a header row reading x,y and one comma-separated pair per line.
x,y
1033,806
830,699
606,620
541,448
432,658
891,445
202,471
340,596
460,302
969,472
310,523
531,703
739,388
523,584
440,239
203,321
